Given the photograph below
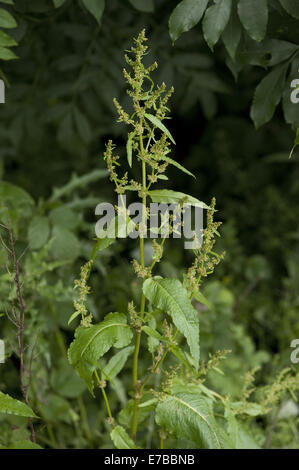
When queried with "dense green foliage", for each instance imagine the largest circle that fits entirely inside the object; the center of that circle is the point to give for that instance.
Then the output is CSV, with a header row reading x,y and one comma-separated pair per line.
x,y
232,63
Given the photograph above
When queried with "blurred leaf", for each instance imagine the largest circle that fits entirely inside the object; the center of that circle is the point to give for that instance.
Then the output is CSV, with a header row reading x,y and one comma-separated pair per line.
x,y
65,381
83,126
58,3
24,445
65,217
232,33
146,6
38,232
215,21
65,244
7,54
292,7
7,20
185,16
6,40
254,17
95,7
267,95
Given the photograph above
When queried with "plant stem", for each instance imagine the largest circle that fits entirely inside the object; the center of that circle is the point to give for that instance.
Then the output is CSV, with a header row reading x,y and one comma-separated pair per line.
x,y
104,395
136,385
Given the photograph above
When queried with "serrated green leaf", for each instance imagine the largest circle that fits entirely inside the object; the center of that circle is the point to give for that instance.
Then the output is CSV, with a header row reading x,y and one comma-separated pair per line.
x,y
292,7
95,7
215,21
185,16
90,344
187,414
154,120
267,95
254,17
168,196
11,406
121,439
170,296
38,232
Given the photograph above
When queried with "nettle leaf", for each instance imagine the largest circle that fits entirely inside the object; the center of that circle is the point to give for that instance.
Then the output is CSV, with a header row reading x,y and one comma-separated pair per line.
x,y
185,16
95,7
170,296
186,413
12,406
146,6
254,17
292,7
7,20
215,21
38,232
24,445
267,95
232,34
91,343
177,165
121,439
173,197
154,120
116,363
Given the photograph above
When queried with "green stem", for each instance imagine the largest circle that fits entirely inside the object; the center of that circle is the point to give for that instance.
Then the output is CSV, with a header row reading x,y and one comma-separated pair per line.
x,y
142,305
104,395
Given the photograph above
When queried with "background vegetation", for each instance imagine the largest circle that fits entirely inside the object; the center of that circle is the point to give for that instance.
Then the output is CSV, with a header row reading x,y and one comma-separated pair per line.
x,y
234,126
